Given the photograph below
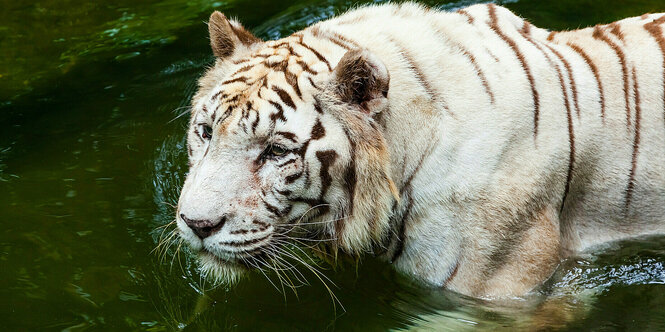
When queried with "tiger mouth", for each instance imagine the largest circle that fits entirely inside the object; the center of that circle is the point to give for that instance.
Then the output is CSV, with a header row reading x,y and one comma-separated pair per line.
x,y
240,258
244,260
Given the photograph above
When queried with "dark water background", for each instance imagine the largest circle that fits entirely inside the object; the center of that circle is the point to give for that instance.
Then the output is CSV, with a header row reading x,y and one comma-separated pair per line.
x,y
90,161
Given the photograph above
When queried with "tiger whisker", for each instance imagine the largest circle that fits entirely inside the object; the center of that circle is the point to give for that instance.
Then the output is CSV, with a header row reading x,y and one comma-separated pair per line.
x,y
277,273
177,254
287,241
248,262
169,204
306,239
290,282
292,255
165,244
318,274
308,246
188,109
274,254
166,225
163,239
309,210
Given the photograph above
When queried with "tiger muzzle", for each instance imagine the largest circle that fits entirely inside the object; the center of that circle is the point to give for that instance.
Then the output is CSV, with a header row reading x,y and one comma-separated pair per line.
x,y
204,227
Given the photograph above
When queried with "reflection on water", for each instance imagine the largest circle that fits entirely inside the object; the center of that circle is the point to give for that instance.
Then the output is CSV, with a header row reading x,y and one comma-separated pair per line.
x,y
92,157
74,31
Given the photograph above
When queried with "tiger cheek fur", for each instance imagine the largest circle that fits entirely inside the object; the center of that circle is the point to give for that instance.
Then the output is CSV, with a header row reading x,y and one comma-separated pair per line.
x,y
473,157
275,156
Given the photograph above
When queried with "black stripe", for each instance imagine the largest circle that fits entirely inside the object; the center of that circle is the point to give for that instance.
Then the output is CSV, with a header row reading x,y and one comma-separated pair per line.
x,y
290,161
326,158
271,208
291,178
288,135
399,247
317,131
237,79
317,54
285,97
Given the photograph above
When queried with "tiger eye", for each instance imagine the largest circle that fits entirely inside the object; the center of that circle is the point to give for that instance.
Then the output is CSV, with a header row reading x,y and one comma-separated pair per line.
x,y
207,132
277,150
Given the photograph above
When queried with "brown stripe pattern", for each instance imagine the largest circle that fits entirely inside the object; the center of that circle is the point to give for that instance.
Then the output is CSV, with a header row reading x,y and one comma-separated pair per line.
x,y
571,134
472,59
413,66
600,35
596,75
419,74
636,142
468,16
494,25
654,28
571,78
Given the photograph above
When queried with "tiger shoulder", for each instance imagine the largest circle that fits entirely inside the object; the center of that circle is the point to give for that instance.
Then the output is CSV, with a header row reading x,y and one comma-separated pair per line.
x,y
471,149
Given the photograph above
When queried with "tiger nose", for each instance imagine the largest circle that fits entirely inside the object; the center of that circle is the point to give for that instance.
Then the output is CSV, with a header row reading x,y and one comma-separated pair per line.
x,y
205,227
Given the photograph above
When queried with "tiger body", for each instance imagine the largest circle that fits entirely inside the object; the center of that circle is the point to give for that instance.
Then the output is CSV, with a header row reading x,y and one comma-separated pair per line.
x,y
481,151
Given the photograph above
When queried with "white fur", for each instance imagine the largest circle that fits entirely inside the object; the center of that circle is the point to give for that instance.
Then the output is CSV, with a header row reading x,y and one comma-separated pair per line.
x,y
478,173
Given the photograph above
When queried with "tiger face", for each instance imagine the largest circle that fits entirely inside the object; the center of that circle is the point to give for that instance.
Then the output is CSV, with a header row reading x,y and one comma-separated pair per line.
x,y
284,148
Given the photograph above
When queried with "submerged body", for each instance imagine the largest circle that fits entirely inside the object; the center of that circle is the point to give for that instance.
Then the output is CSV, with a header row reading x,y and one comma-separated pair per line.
x,y
470,149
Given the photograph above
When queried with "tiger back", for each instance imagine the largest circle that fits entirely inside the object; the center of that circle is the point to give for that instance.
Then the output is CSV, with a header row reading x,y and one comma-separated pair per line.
x,y
470,149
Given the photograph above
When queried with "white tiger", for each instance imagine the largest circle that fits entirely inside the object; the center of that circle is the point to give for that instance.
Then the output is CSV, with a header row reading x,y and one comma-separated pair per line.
x,y
470,149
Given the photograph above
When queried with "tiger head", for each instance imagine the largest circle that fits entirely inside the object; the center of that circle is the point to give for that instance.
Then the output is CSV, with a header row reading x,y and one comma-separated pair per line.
x,y
284,146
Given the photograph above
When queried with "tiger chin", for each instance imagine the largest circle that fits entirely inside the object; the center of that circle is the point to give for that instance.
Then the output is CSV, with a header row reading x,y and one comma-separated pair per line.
x,y
470,149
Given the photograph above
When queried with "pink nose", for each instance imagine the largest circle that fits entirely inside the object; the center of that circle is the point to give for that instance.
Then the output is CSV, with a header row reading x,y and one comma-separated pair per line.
x,y
204,228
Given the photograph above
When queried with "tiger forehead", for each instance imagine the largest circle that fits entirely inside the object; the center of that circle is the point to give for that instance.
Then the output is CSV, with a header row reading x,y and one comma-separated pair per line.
x,y
273,78
290,56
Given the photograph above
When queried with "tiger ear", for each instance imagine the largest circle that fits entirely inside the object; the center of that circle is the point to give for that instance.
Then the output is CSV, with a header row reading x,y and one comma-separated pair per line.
x,y
227,36
362,79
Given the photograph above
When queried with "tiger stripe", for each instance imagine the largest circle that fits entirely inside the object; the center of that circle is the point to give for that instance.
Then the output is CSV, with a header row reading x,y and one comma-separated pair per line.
x,y
399,247
350,175
472,59
636,143
285,97
654,28
237,79
596,75
288,135
317,54
346,130
335,38
326,158
419,74
571,78
406,193
271,208
417,71
571,134
468,16
571,131
317,131
292,80
600,35
494,25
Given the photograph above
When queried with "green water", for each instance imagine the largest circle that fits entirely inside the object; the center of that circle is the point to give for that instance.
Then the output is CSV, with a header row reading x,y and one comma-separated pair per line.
x,y
90,162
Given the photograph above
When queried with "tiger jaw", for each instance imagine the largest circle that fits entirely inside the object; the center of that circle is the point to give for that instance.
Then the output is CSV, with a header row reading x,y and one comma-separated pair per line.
x,y
230,244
